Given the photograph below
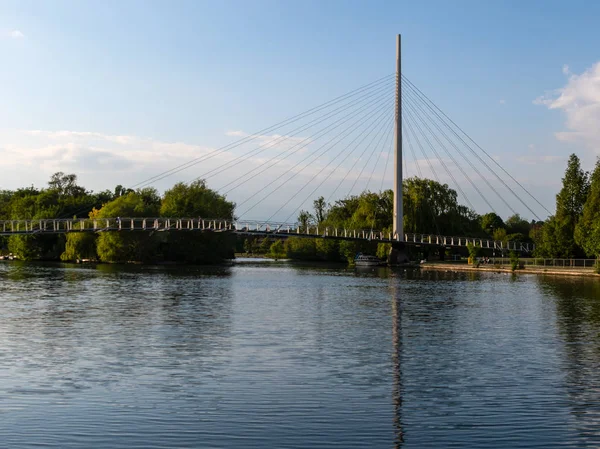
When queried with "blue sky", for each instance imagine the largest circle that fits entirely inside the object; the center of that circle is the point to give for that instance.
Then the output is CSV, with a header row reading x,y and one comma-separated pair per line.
x,y
168,80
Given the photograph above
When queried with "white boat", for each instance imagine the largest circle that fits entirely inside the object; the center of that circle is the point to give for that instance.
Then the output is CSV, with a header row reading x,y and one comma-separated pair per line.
x,y
364,260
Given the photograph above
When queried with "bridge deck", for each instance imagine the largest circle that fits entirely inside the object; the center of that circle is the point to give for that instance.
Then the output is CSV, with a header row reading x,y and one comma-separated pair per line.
x,y
61,226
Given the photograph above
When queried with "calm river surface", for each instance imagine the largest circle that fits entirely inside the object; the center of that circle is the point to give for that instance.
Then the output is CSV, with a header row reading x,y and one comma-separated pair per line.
x,y
265,355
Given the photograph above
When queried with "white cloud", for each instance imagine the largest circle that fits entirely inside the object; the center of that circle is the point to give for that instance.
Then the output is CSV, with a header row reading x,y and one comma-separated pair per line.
x,y
502,101
579,99
102,160
12,34
566,70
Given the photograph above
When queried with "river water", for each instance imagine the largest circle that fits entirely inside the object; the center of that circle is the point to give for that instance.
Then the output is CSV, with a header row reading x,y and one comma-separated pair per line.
x,y
274,355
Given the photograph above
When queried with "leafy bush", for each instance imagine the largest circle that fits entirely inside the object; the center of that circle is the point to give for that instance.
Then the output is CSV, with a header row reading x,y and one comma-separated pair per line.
x,y
277,250
473,252
514,261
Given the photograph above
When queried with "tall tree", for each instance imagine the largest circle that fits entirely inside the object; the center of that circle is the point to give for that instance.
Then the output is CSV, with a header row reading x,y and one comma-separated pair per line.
x,y
304,219
587,230
556,238
320,209
572,196
433,208
65,184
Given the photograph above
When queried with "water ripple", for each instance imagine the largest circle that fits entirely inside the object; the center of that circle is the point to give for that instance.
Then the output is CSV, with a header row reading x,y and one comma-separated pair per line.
x,y
275,355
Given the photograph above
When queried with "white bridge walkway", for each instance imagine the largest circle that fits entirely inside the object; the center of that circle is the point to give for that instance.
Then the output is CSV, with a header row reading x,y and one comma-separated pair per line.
x,y
67,225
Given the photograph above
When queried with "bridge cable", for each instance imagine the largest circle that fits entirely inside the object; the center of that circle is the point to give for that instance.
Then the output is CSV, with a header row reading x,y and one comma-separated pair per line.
x,y
255,136
468,160
387,159
336,139
299,146
435,174
359,157
409,126
412,150
387,137
383,138
465,174
410,119
374,88
352,128
377,114
325,179
475,169
361,134
438,111
258,134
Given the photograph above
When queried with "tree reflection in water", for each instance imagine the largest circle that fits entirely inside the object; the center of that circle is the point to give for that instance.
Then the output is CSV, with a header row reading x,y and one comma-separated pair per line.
x,y
577,303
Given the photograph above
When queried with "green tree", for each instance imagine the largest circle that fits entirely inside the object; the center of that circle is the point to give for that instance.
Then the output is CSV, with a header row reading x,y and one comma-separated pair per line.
x,y
24,247
301,248
277,250
305,219
264,246
433,208
320,209
474,252
572,196
124,246
327,250
250,245
65,184
196,200
556,238
490,222
517,225
500,235
80,245
587,230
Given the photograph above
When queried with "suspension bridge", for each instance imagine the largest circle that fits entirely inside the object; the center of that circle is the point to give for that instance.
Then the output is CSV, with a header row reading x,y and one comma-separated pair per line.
x,y
340,142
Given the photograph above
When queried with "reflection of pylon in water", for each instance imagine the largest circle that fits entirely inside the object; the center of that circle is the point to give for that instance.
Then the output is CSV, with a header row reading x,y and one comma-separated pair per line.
x,y
397,360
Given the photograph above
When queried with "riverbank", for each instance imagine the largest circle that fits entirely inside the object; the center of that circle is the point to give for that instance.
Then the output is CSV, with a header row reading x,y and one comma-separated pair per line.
x,y
448,266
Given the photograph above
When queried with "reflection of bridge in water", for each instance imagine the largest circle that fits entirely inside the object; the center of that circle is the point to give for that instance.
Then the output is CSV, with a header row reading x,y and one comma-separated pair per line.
x,y
273,229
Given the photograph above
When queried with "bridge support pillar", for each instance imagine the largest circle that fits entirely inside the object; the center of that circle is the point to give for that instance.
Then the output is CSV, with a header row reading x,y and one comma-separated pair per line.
x,y
398,217
397,255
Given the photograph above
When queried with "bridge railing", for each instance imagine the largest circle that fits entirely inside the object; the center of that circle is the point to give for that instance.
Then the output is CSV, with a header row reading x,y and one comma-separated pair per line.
x,y
8,227
112,224
548,263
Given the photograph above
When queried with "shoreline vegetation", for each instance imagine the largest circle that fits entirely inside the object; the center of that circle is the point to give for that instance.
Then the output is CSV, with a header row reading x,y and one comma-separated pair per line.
x,y
554,271
429,207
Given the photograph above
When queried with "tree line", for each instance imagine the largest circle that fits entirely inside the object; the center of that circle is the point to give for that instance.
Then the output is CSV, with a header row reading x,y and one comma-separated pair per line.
x,y
574,230
433,208
64,198
429,208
